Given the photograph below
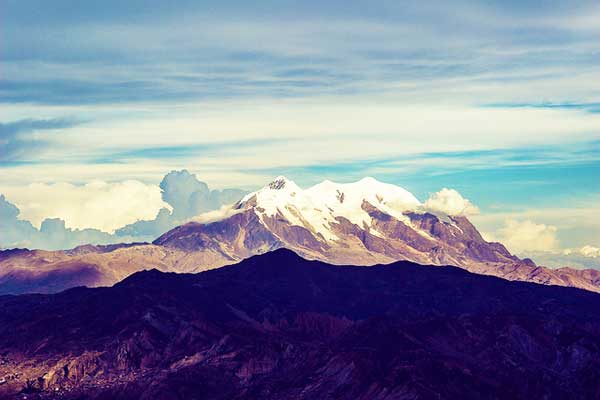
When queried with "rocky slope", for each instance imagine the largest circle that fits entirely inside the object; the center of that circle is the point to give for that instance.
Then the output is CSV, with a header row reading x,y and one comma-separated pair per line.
x,y
361,223
277,326
40,271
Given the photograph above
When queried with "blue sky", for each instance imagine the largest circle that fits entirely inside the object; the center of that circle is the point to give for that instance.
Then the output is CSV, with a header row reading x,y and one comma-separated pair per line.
x,y
497,99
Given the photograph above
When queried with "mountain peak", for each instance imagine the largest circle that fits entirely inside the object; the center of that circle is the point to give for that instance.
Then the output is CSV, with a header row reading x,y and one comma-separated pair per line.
x,y
369,180
319,207
279,183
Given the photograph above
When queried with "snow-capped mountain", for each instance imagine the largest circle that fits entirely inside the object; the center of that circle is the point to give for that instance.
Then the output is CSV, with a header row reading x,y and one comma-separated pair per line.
x,y
321,207
364,222
361,223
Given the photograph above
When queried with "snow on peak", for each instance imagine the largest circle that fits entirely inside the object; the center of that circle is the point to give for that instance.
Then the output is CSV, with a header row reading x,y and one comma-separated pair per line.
x,y
369,180
347,199
319,206
279,183
280,188
368,189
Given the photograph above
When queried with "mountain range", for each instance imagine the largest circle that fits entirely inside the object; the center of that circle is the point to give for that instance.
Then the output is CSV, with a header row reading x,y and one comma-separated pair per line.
x,y
277,326
362,223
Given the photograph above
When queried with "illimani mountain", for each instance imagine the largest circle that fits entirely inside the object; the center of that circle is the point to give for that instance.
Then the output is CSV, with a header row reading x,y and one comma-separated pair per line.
x,y
361,223
276,326
364,223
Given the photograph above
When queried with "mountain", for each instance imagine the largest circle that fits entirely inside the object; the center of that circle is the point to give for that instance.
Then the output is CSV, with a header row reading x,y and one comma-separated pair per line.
x,y
361,223
364,223
277,326
40,271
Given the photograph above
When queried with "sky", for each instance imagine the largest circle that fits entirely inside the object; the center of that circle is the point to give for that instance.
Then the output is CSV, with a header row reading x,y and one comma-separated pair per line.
x,y
499,100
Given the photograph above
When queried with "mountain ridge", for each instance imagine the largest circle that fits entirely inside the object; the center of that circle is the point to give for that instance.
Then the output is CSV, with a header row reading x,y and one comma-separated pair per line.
x,y
278,326
362,223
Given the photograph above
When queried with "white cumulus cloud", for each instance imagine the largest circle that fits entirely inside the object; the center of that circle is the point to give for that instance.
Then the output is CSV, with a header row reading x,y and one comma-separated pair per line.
x,y
98,204
524,236
450,202
580,257
590,251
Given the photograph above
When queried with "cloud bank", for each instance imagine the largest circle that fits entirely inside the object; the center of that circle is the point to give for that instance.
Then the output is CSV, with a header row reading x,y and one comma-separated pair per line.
x,y
583,257
188,197
526,235
100,205
53,234
106,206
540,242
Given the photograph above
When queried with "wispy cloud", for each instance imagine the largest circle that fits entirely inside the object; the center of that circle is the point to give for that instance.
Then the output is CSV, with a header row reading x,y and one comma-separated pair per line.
x,y
18,138
593,107
186,152
11,129
186,53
